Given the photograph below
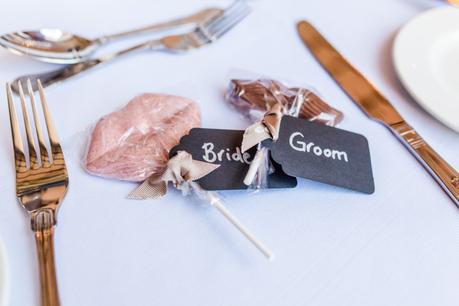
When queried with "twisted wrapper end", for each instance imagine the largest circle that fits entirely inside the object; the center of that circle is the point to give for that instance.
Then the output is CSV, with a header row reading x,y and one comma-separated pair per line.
x,y
181,168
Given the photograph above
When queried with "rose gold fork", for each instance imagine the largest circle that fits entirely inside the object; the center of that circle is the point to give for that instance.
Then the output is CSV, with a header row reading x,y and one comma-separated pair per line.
x,y
41,184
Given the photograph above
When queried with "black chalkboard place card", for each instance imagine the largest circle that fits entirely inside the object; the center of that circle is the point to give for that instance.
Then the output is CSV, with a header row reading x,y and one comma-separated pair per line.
x,y
325,154
223,147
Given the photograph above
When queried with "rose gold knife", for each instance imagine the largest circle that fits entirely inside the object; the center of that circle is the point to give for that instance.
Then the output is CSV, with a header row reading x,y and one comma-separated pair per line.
x,y
377,107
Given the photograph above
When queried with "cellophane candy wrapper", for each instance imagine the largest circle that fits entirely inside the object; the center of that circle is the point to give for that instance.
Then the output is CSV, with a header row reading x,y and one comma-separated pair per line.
x,y
133,143
253,97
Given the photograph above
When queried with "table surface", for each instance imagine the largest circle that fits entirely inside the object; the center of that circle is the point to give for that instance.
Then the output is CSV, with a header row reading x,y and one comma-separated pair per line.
x,y
399,246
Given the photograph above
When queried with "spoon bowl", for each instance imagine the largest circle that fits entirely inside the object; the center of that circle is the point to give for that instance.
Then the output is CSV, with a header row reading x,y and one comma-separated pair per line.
x,y
50,45
60,47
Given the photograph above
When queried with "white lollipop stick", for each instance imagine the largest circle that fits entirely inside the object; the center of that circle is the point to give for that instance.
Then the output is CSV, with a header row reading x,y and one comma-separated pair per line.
x,y
231,218
216,202
253,169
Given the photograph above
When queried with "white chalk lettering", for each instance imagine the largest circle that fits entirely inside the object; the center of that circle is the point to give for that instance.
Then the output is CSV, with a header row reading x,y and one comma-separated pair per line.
x,y
317,151
246,156
237,156
211,155
302,145
297,143
339,154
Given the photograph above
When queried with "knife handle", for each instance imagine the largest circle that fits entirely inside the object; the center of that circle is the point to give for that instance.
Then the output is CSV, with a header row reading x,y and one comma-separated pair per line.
x,y
444,174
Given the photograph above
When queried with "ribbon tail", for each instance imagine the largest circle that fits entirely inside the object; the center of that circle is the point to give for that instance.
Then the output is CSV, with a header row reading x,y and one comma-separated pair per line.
x,y
148,190
254,135
199,169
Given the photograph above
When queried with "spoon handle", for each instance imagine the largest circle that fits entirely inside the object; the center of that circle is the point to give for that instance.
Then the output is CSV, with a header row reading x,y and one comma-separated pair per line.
x,y
194,19
62,74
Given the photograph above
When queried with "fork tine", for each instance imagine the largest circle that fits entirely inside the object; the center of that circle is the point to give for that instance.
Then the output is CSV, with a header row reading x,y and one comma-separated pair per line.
x,y
19,157
41,141
228,12
56,150
225,27
33,160
232,16
234,6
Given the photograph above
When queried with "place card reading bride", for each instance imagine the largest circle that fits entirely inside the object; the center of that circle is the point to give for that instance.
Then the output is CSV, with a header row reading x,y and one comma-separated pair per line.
x,y
222,147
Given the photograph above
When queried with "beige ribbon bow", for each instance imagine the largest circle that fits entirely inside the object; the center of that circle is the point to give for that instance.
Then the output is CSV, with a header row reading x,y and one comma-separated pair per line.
x,y
266,128
180,169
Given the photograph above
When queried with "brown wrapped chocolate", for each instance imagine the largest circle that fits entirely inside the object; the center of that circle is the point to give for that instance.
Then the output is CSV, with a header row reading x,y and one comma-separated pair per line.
x,y
257,96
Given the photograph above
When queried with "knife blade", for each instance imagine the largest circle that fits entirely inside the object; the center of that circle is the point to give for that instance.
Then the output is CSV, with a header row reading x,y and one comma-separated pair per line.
x,y
377,107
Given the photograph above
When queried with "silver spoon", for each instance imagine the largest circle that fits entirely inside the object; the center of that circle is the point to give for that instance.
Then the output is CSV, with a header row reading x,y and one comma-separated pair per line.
x,y
202,35
57,46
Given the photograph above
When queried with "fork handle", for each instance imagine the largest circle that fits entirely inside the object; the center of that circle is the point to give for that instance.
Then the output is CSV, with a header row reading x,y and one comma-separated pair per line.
x,y
48,281
196,18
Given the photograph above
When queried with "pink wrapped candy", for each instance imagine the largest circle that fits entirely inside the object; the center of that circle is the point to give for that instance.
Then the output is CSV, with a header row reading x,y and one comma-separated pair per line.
x,y
133,143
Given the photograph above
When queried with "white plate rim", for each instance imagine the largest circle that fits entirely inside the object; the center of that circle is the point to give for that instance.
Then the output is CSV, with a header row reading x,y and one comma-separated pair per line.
x,y
403,71
3,275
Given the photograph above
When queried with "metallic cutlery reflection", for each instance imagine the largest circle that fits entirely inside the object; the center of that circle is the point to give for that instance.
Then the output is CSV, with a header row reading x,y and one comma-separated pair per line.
x,y
57,46
377,107
41,184
202,35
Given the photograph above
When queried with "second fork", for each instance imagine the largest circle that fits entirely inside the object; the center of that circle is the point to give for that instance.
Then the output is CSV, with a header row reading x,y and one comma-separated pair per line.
x,y
204,34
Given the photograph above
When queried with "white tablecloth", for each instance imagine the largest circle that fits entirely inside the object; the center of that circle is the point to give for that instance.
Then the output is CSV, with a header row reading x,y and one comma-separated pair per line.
x,y
399,246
